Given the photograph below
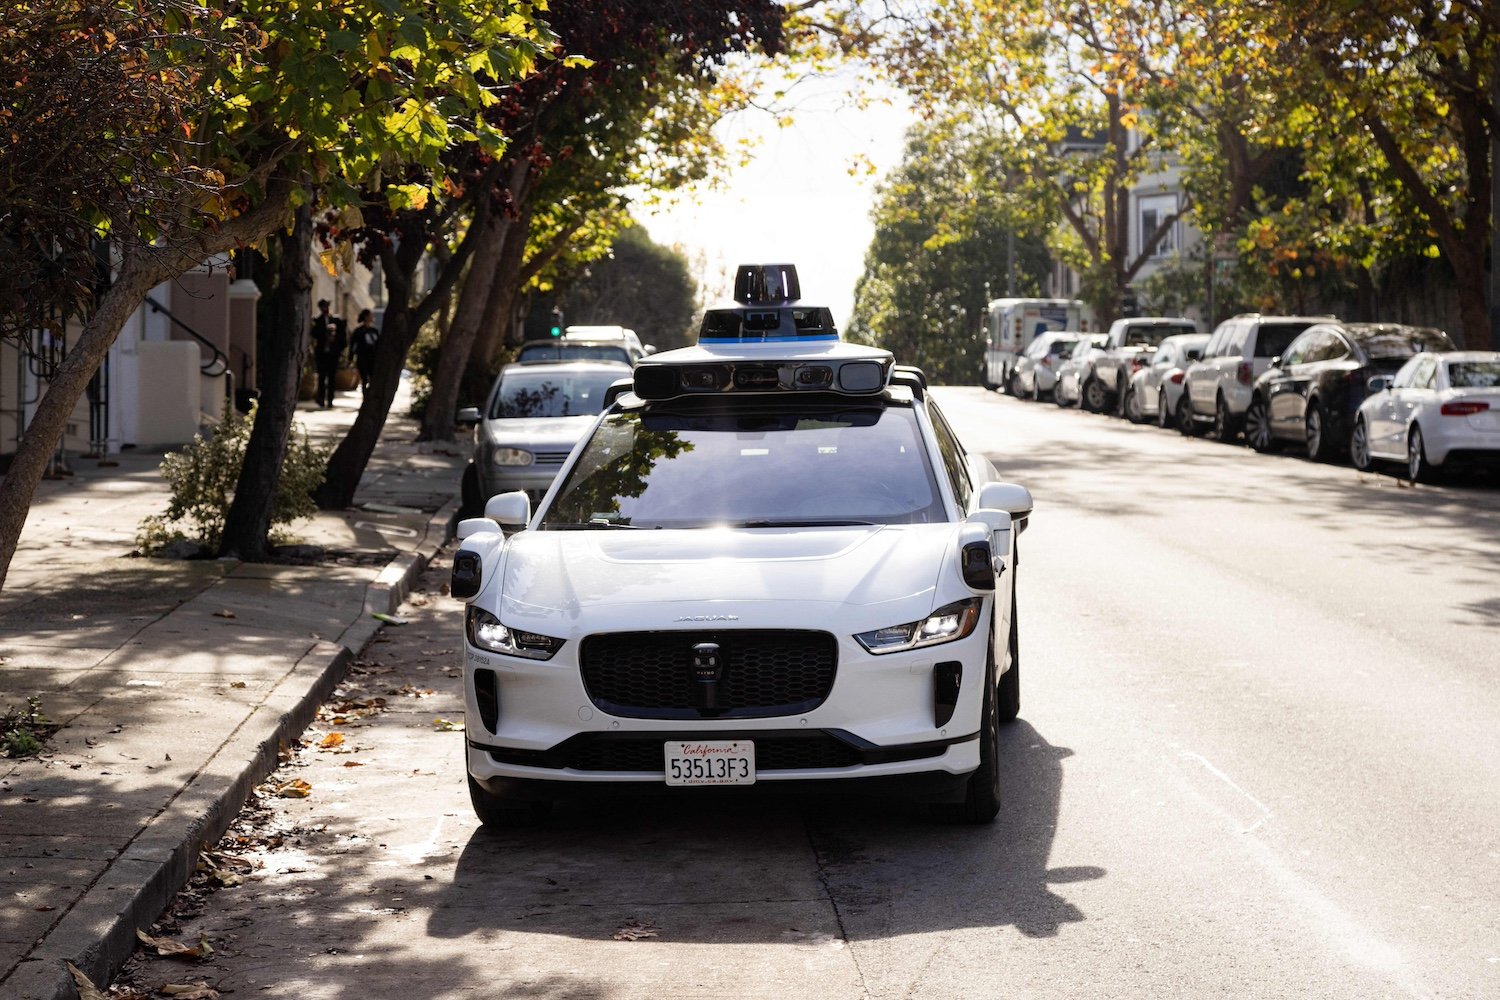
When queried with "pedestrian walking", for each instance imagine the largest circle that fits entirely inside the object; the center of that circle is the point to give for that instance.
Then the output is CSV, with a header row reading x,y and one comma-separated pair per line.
x,y
362,343
329,338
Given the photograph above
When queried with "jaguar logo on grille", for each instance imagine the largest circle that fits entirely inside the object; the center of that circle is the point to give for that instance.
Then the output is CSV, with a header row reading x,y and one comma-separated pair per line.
x,y
707,618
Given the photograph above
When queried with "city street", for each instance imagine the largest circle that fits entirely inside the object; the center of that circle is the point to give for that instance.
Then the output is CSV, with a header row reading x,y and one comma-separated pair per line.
x,y
1258,756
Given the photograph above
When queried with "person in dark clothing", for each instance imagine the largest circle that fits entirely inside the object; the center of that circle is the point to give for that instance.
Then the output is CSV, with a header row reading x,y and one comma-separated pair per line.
x,y
329,338
362,341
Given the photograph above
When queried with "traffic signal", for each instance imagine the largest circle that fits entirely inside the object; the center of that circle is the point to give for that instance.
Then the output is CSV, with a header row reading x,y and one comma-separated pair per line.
x,y
557,321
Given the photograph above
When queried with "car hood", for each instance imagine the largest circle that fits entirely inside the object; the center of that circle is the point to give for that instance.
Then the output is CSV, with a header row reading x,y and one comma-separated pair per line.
x,y
534,433
650,579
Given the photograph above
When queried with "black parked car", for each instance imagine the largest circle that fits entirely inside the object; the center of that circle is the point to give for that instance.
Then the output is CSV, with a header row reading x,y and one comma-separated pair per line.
x,y
1310,393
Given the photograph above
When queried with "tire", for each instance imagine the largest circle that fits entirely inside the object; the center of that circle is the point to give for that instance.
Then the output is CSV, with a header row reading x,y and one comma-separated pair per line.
x,y
1418,469
1258,427
471,504
1008,385
496,813
1009,695
1359,447
1094,397
981,802
1057,394
1163,415
1131,407
1319,440
1186,425
1222,429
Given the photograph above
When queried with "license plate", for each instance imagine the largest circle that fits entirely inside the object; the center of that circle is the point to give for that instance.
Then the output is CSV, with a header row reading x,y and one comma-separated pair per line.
x,y
727,762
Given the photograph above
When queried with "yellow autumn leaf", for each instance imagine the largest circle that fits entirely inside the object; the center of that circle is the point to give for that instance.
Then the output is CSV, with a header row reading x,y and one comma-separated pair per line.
x,y
294,789
330,741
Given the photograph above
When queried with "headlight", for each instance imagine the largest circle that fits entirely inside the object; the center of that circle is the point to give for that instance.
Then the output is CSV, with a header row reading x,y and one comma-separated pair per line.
x,y
486,632
510,456
946,624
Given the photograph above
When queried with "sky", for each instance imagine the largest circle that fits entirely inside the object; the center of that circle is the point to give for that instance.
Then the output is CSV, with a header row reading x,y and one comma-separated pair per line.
x,y
795,202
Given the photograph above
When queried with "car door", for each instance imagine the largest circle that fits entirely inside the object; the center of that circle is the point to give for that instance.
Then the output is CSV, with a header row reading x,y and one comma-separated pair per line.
x,y
1286,385
1381,423
1203,378
1414,399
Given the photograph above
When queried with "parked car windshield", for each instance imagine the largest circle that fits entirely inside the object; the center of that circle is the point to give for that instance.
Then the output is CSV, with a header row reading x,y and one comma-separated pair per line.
x,y
775,466
1392,343
1274,338
1152,334
551,392
1474,374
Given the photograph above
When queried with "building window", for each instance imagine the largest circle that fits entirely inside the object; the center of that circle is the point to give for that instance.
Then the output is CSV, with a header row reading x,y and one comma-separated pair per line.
x,y
1152,211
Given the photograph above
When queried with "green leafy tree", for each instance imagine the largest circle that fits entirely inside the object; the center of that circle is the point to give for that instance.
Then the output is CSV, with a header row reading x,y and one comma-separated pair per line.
x,y
640,284
290,94
937,254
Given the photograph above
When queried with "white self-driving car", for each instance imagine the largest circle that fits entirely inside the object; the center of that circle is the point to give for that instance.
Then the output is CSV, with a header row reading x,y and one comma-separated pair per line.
x,y
771,563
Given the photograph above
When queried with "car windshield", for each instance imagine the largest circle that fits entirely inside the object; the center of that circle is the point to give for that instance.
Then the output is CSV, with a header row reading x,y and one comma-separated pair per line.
x,y
532,353
1392,343
544,392
1060,347
1274,338
1152,334
776,466
1474,374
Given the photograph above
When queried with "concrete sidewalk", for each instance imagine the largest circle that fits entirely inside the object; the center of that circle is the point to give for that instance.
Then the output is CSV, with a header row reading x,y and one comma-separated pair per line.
x,y
175,683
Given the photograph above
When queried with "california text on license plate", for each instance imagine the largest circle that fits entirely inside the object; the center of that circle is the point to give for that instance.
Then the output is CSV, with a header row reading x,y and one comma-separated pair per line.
x,y
727,762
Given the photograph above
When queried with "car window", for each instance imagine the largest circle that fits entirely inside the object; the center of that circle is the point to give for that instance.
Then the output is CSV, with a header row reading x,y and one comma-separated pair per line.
x,y
1163,356
1152,334
1060,347
1037,348
532,353
1297,351
1235,345
1272,339
547,392
1474,374
1425,377
1211,349
953,457
1315,345
1394,342
691,467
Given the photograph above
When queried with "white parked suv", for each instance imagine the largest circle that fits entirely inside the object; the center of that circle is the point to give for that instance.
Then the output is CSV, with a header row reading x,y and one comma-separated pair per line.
x,y
1217,388
770,563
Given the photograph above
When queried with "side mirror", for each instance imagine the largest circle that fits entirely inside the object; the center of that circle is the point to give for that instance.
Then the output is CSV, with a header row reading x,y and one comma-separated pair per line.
x,y
468,574
1014,500
509,510
1379,383
1276,361
649,348
468,416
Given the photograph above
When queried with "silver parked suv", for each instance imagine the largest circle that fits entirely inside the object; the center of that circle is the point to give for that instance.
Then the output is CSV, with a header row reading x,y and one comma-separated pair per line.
x,y
1216,389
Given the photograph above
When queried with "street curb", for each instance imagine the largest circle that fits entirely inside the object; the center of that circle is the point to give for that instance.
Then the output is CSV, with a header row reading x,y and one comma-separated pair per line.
x,y
99,932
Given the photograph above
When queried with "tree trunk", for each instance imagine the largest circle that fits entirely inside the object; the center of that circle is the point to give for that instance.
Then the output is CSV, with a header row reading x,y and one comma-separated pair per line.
x,y
495,333
247,527
137,277
458,341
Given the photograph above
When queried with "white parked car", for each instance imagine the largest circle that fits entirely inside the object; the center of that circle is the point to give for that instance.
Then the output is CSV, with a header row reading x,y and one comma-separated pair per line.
x,y
1218,386
1068,389
1155,388
1439,410
1036,371
771,562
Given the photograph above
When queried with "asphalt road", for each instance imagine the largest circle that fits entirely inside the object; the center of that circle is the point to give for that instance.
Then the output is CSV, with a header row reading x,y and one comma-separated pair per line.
x,y
1259,756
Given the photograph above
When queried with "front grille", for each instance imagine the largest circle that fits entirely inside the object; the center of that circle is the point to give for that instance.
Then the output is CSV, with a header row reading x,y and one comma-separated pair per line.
x,y
774,753
648,675
548,457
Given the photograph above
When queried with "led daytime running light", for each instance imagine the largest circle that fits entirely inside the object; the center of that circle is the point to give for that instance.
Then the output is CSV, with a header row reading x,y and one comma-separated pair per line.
x,y
485,631
947,624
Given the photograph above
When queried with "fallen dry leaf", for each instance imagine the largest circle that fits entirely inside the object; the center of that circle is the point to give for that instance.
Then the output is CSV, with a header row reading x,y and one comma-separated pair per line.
x,y
354,763
86,988
223,613
191,991
294,789
167,948
447,726
330,741
635,930
236,684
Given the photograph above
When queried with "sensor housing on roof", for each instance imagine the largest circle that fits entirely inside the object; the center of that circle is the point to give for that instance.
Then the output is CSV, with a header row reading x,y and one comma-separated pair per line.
x,y
767,310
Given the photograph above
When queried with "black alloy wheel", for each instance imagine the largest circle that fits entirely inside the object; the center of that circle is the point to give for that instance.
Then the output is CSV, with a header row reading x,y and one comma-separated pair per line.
x,y
1095,398
1258,427
497,813
1359,447
981,802
1418,469
1222,429
1319,435
1186,425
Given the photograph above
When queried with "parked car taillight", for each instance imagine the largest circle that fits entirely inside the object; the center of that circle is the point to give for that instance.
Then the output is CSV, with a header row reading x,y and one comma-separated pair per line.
x,y
1047,361
1246,373
1176,377
1463,407
1136,364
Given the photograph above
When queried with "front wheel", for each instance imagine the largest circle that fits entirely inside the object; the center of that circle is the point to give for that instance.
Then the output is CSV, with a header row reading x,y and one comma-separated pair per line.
x,y
1359,447
1319,438
1258,427
1010,681
1132,407
497,813
1223,426
1163,413
981,802
471,502
1417,467
1095,397
1186,425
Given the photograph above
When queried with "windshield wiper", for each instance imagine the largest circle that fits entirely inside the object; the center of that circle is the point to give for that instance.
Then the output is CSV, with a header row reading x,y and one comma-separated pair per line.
x,y
805,523
587,525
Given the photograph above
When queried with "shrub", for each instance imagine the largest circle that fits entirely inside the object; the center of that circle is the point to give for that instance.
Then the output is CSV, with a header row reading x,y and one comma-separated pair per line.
x,y
203,476
23,730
